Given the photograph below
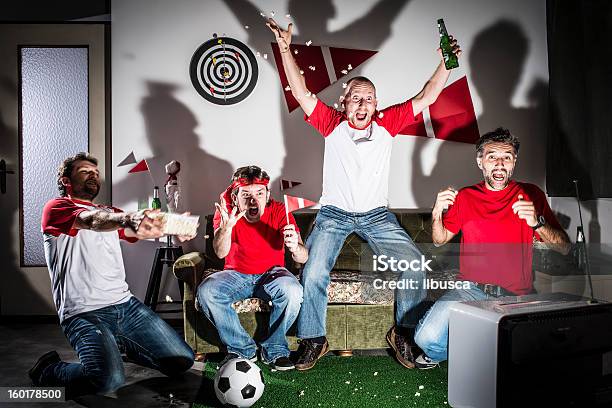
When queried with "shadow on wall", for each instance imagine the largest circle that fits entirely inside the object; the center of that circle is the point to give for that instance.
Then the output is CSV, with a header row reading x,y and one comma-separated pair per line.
x,y
304,151
13,280
496,59
170,130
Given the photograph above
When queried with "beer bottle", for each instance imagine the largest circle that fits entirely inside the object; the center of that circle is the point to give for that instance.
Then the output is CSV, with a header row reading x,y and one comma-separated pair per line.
x,y
450,59
156,203
580,254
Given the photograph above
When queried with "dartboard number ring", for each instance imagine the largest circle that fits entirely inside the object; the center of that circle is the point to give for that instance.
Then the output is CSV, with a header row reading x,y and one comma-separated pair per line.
x,y
223,70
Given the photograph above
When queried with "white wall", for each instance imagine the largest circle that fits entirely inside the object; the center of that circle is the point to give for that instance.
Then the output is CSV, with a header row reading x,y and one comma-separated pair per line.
x,y
158,114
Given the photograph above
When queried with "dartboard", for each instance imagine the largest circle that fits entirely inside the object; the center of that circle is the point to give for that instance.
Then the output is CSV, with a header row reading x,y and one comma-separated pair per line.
x,y
223,70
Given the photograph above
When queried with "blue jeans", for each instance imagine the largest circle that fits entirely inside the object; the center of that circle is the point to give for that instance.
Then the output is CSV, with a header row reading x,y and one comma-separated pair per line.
x,y
217,293
380,229
101,335
432,331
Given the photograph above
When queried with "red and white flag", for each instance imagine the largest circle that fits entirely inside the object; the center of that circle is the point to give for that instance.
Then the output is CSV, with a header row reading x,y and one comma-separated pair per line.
x,y
295,203
141,166
322,66
450,117
287,184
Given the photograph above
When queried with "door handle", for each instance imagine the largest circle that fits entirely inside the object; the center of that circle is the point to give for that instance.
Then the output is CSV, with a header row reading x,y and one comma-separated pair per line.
x,y
3,173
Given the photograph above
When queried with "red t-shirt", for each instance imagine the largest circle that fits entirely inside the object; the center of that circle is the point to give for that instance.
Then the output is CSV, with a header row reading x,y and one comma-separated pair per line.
x,y
257,247
496,245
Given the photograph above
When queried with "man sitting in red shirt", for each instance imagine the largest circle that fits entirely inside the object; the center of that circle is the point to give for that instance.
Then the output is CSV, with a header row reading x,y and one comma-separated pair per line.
x,y
498,219
251,234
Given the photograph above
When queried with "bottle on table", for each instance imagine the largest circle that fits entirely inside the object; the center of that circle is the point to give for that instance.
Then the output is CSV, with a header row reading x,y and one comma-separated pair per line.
x,y
580,255
156,203
450,59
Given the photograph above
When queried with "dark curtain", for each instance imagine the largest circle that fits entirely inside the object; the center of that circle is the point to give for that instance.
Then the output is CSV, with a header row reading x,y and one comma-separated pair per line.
x,y
579,143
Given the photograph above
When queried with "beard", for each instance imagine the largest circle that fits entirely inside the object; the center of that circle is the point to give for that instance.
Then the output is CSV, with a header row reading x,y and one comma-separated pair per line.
x,y
87,190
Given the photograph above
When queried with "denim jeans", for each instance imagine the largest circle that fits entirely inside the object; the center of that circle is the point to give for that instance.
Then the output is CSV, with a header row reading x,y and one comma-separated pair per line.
x,y
101,335
217,293
380,229
432,331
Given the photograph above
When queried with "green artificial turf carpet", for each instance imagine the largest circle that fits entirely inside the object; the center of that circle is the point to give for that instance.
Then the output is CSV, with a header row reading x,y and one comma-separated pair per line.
x,y
359,381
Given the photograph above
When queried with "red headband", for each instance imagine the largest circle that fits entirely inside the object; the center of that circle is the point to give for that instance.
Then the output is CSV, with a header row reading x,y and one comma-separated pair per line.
x,y
241,182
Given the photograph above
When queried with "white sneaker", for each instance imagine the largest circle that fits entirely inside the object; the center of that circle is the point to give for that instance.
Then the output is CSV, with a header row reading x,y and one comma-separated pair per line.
x,y
423,362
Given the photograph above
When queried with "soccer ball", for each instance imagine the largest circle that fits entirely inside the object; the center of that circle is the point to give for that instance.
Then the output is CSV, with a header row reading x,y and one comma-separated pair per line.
x,y
239,383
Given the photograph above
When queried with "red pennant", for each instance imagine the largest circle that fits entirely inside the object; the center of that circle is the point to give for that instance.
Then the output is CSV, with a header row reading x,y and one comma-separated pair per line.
x,y
141,166
316,80
319,78
296,203
453,116
287,184
343,57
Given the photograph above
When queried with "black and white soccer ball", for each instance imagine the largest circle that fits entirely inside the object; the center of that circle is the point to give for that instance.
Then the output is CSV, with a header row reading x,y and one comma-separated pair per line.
x,y
239,383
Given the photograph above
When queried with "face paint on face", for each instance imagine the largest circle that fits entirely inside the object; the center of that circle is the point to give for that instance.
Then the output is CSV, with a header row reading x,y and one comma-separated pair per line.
x,y
252,198
360,104
84,181
497,164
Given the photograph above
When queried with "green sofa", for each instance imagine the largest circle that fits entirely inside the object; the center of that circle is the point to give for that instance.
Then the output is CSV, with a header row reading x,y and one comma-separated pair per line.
x,y
358,317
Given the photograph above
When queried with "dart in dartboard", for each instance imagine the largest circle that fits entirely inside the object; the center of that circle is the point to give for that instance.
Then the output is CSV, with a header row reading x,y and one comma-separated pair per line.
x,y
223,71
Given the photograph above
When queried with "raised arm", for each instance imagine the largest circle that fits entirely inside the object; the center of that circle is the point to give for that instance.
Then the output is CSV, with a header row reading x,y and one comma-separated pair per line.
x,y
222,242
554,237
296,80
439,234
435,84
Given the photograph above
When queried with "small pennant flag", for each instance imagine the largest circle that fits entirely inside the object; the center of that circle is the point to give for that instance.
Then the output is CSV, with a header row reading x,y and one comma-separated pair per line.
x,y
141,166
287,184
295,203
130,159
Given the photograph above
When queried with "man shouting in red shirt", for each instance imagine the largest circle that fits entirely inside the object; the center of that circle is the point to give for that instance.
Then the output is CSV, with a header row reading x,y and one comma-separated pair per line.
x,y
251,233
498,219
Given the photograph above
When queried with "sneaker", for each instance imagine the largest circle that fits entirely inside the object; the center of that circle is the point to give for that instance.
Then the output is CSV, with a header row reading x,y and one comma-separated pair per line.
x,y
423,362
43,362
281,364
404,349
231,356
308,353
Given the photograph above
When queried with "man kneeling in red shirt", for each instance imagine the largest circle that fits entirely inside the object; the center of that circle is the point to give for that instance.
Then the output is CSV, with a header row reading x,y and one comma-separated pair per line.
x,y
498,219
251,233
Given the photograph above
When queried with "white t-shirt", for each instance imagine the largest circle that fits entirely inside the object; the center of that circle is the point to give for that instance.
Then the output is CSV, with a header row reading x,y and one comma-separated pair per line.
x,y
356,162
86,267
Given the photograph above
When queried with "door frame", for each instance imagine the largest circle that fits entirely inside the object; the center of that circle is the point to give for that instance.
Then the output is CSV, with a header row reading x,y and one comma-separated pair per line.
x,y
26,290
